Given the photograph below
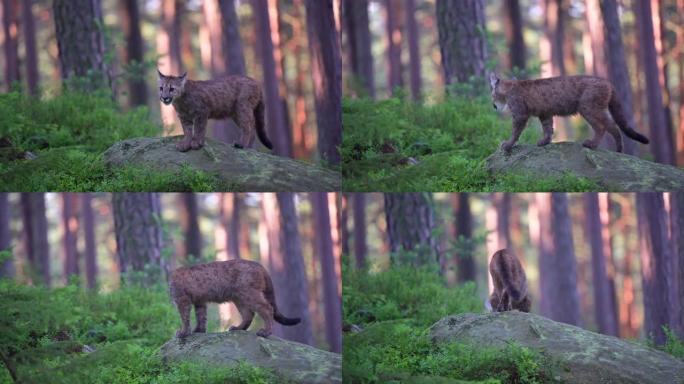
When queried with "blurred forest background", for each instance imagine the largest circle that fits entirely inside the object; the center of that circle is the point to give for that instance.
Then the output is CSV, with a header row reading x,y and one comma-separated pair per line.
x,y
290,46
608,262
424,50
100,241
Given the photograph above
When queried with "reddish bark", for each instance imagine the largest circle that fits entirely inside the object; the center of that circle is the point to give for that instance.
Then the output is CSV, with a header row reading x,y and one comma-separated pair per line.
x,y
513,26
32,75
10,18
70,226
90,254
36,241
360,246
393,22
414,49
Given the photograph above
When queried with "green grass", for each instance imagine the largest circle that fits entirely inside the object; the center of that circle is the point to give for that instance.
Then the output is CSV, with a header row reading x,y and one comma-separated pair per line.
x,y
450,141
69,133
395,308
125,327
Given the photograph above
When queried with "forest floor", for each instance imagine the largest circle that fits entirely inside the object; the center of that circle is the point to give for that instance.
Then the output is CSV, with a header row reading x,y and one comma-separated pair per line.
x,y
394,310
43,334
398,145
64,138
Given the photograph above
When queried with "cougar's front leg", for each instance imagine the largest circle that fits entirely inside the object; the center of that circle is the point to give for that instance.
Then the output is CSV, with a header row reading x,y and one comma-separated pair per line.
x,y
200,131
184,145
547,127
519,123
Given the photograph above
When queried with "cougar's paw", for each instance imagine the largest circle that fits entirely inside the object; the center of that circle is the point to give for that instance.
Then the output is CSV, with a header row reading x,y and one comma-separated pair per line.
x,y
180,334
589,144
233,328
183,146
196,144
200,330
238,146
543,142
506,146
263,333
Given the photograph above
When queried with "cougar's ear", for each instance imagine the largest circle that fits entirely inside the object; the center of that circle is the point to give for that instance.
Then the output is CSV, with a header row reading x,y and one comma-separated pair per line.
x,y
183,77
161,75
493,79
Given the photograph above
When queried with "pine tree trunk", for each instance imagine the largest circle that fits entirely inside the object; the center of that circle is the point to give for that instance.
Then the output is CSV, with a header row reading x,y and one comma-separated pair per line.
x,y
344,225
70,226
135,48
302,140
10,18
393,23
598,41
81,44
465,262
360,242
36,236
414,49
89,225
169,50
513,26
462,40
357,28
410,225
617,65
32,75
662,149
326,70
275,122
655,253
295,295
324,250
232,43
230,212
190,225
677,215
138,228
680,77
551,43
7,267
603,306
565,298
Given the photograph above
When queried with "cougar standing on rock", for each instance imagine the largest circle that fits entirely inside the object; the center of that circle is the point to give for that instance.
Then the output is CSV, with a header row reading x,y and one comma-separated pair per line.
x,y
245,283
592,97
510,283
235,97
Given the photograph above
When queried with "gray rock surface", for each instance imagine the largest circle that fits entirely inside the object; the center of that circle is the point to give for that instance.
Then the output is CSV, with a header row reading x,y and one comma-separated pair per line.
x,y
585,357
612,171
239,169
290,361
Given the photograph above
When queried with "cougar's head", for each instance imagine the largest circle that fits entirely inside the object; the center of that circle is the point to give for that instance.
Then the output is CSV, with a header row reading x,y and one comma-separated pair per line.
x,y
170,87
498,93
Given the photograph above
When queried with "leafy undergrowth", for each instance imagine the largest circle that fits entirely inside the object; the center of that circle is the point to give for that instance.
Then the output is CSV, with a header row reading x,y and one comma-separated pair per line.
x,y
68,134
395,308
42,334
449,141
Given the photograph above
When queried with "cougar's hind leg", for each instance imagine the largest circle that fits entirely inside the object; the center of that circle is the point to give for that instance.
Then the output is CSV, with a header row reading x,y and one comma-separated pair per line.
x,y
184,306
245,120
247,317
598,124
201,316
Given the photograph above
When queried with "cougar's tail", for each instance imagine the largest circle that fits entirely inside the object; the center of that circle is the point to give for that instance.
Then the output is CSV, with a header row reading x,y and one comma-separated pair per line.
x,y
619,117
261,125
506,277
277,316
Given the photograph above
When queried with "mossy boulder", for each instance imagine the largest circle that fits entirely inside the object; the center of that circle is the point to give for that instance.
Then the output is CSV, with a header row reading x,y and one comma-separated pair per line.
x,y
290,361
583,356
612,171
241,169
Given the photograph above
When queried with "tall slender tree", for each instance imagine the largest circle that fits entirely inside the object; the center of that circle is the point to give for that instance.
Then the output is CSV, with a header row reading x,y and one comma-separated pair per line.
x,y
80,41
551,43
10,19
465,262
663,152
90,253
357,29
275,121
617,64
604,311
324,250
169,50
680,78
513,28
138,229
7,266
413,36
360,246
656,254
326,71
70,224
410,226
462,39
32,75
135,49
598,41
394,26
234,55
295,297
36,237
190,224
677,216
